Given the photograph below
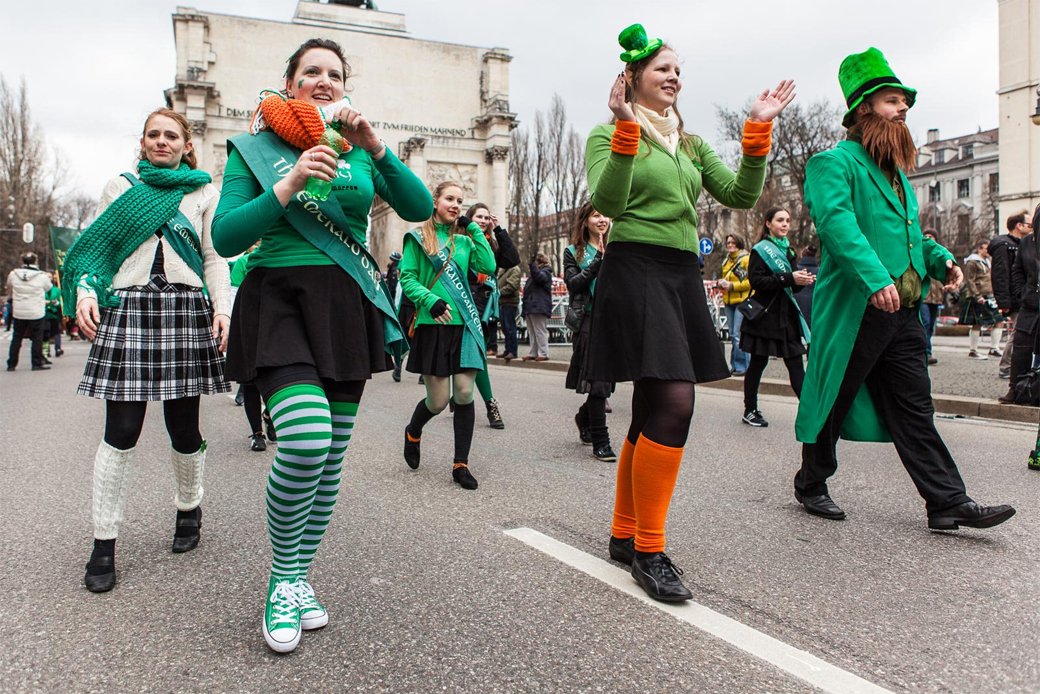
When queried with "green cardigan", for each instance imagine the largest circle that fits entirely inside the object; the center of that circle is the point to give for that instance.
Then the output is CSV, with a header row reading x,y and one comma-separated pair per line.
x,y
471,253
652,196
867,239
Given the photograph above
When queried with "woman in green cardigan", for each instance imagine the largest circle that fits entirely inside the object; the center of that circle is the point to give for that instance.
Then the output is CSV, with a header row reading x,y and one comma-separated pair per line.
x,y
448,342
313,319
650,323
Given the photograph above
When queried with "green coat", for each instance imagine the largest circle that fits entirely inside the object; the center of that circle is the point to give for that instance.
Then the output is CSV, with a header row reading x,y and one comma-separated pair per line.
x,y
867,238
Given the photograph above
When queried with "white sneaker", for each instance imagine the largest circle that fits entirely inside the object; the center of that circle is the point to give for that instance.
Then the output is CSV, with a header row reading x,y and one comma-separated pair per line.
x,y
972,354
282,616
312,614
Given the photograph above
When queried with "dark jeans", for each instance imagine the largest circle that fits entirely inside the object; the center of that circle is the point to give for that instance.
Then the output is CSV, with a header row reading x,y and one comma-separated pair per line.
x,y
929,314
889,357
1022,350
507,314
35,328
491,335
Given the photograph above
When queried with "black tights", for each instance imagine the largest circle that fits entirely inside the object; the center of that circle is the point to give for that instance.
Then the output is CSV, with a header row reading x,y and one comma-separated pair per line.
x,y
753,378
124,420
661,411
251,395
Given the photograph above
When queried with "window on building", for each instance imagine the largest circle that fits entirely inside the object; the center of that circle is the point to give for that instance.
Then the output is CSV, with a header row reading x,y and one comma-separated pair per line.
x,y
934,192
939,157
994,183
963,229
964,188
968,151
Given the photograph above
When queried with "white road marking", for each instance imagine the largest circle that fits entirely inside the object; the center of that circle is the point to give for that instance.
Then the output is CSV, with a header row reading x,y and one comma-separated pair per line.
x,y
805,666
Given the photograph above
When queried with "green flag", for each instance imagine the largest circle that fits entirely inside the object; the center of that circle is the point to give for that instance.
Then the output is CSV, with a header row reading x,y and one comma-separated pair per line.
x,y
61,241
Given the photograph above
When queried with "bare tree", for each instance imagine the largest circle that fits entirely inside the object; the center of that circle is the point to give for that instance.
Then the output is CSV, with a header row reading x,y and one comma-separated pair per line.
x,y
578,191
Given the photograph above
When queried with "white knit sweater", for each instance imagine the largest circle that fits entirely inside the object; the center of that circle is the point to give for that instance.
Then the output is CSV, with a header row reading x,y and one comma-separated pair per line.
x,y
198,206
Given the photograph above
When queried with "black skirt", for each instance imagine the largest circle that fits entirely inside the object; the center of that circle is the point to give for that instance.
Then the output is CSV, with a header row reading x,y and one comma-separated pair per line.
x,y
784,341
313,314
436,350
650,318
577,379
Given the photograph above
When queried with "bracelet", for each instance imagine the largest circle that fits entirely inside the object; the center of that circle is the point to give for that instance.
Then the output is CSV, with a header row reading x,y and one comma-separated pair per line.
x,y
374,150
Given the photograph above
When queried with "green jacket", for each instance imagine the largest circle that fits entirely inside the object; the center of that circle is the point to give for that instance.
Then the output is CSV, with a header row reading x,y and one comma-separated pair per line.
x,y
867,238
471,253
53,298
652,196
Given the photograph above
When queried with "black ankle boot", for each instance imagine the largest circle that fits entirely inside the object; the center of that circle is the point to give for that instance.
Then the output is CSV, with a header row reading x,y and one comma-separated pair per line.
x,y
412,450
188,531
622,550
659,577
101,569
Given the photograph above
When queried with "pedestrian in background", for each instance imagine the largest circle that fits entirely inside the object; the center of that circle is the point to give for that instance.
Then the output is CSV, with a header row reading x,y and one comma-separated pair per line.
x,y
54,320
248,394
651,323
537,306
27,288
448,343
313,318
978,305
581,264
135,281
736,287
932,304
1025,287
811,264
509,306
1002,251
484,288
779,329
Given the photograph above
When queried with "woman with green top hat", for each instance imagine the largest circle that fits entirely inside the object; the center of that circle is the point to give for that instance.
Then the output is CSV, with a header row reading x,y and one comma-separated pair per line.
x,y
447,342
581,264
135,281
313,319
650,323
776,327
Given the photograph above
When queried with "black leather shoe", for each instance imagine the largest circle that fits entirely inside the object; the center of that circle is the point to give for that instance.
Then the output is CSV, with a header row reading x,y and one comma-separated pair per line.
x,y
822,505
397,374
605,453
259,444
101,569
188,531
970,514
659,577
622,550
463,476
583,431
59,352
411,451
41,367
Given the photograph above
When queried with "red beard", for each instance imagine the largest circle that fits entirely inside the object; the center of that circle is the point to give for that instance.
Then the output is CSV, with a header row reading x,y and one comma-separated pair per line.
x,y
888,143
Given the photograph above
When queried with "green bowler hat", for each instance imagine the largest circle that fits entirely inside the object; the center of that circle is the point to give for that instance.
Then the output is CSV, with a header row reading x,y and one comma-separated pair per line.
x,y
633,40
862,74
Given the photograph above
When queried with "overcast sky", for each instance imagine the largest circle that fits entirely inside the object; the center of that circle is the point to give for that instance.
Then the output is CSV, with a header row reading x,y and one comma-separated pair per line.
x,y
95,69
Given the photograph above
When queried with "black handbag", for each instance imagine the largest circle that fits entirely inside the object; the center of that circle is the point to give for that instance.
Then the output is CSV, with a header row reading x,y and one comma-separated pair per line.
x,y
575,312
752,309
1027,388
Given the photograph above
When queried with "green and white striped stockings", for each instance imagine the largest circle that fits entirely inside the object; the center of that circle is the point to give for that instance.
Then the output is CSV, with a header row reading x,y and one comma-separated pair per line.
x,y
313,435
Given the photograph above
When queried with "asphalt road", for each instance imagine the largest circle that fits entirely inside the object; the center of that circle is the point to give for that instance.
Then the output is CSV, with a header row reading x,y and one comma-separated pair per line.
x,y
426,592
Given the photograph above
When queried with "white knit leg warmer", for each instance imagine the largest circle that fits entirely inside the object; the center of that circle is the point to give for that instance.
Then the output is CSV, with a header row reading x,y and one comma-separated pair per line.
x,y
187,468
113,470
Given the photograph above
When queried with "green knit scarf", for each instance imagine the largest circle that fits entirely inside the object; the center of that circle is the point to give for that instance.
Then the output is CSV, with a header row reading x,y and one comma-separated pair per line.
x,y
135,215
782,243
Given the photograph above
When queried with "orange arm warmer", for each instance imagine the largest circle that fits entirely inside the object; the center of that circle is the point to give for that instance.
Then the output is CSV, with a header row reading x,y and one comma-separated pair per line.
x,y
626,138
757,138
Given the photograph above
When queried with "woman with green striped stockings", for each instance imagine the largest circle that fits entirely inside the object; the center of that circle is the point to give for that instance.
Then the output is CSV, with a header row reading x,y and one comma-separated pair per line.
x,y
313,319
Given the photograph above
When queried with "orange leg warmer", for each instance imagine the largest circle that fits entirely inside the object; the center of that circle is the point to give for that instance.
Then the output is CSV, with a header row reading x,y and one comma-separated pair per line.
x,y
624,525
654,471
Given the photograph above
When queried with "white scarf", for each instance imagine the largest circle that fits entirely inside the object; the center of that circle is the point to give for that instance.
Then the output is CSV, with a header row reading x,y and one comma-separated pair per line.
x,y
664,130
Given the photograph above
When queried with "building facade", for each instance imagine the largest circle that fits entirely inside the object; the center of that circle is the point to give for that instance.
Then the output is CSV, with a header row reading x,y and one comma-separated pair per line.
x,y
442,108
1019,81
957,183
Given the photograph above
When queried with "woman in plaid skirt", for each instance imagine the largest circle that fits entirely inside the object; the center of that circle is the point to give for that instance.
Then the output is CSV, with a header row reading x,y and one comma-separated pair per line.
x,y
135,279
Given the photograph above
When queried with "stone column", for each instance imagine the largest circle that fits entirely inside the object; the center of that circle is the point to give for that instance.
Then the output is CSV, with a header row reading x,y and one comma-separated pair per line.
x,y
498,157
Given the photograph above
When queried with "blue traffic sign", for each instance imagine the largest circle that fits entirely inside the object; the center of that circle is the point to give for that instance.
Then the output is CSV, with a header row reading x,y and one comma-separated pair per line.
x,y
707,246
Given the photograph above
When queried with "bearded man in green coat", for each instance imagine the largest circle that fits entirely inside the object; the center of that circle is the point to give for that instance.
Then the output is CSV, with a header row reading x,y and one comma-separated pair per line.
x,y
867,375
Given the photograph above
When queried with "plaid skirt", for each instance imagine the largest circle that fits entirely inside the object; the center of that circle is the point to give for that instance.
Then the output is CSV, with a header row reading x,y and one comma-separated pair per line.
x,y
157,344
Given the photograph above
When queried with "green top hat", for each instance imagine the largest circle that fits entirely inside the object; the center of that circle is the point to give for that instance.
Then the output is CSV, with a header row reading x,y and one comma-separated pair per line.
x,y
862,74
633,40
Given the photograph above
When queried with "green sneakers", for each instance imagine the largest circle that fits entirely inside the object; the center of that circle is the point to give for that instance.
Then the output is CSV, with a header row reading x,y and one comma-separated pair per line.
x,y
282,615
312,614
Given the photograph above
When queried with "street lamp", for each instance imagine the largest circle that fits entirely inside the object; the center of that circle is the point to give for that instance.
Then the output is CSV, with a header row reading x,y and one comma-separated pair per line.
x,y
1036,115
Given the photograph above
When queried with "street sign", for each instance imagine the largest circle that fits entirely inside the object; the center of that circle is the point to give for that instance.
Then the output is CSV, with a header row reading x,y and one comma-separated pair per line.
x,y
707,246
28,232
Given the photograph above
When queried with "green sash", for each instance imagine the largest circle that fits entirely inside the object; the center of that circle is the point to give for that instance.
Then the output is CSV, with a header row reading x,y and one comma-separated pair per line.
x,y
454,282
777,262
181,236
323,224
491,310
